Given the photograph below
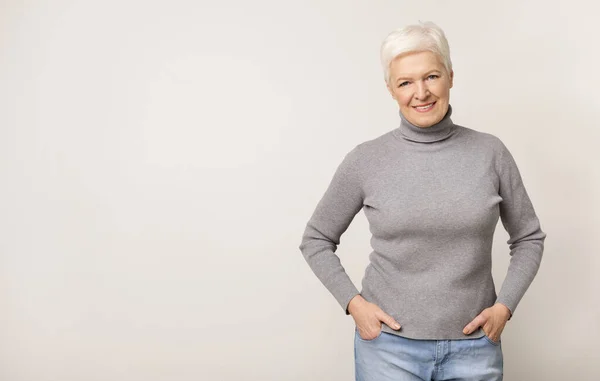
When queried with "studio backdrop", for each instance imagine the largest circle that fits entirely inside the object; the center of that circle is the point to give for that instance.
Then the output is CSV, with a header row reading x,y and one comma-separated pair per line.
x,y
159,161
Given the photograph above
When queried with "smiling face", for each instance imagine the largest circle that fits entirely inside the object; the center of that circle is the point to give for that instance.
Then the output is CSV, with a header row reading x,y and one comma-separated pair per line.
x,y
421,85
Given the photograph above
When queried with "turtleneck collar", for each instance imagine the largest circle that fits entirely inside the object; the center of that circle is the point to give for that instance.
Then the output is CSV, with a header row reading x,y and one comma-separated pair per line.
x,y
439,131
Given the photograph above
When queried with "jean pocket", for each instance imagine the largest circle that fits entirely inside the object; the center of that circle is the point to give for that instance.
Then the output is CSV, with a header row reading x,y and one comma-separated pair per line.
x,y
491,341
365,340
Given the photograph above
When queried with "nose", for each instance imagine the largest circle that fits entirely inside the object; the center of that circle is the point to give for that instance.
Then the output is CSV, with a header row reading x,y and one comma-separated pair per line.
x,y
422,91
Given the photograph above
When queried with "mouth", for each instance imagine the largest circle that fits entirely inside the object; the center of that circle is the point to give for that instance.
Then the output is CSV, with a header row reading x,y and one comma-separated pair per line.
x,y
424,108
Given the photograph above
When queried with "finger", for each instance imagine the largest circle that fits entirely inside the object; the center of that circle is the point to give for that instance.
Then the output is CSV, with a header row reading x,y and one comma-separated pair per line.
x,y
388,320
474,324
370,329
493,332
488,329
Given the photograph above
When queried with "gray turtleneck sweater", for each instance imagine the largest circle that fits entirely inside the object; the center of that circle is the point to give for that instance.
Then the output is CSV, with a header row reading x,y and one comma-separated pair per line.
x,y
432,197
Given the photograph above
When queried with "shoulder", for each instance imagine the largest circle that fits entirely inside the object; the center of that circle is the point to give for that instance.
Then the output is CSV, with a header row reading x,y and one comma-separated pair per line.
x,y
484,140
368,149
493,148
376,146
482,137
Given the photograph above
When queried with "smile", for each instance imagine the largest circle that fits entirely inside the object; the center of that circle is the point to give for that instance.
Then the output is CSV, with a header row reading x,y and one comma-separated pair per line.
x,y
424,108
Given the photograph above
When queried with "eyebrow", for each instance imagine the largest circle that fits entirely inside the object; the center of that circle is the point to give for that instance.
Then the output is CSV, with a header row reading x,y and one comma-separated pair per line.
x,y
425,75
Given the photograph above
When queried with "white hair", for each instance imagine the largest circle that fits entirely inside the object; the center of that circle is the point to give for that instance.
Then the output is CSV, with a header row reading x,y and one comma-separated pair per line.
x,y
426,36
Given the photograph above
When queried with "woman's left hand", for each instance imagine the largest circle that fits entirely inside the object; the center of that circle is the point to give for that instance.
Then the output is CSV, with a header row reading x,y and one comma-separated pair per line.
x,y
492,319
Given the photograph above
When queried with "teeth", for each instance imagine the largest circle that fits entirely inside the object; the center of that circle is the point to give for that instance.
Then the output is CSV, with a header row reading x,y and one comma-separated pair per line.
x,y
424,107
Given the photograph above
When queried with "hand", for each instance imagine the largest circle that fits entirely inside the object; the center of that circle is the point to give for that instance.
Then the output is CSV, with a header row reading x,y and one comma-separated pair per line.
x,y
368,318
492,319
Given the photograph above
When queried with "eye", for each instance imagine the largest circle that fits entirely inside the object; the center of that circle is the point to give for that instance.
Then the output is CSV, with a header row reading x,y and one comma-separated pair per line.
x,y
403,84
433,76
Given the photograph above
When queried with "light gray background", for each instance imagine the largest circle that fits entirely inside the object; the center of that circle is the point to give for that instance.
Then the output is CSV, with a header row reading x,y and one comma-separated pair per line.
x,y
159,161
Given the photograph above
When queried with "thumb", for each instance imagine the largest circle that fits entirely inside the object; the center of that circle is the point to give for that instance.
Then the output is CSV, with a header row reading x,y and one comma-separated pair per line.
x,y
388,320
474,324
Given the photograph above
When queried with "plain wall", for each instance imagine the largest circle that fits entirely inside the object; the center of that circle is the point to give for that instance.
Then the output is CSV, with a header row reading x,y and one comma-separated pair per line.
x,y
159,162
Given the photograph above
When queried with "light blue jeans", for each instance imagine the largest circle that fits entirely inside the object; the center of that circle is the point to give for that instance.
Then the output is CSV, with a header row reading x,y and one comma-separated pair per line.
x,y
390,357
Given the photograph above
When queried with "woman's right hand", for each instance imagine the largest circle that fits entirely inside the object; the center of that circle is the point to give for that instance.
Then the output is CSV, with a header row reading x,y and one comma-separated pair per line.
x,y
368,318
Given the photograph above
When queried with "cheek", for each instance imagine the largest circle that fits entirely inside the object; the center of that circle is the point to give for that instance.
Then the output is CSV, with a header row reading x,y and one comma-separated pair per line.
x,y
441,90
403,98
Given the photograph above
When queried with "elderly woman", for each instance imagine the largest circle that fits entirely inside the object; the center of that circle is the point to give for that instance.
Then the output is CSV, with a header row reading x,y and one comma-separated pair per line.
x,y
432,192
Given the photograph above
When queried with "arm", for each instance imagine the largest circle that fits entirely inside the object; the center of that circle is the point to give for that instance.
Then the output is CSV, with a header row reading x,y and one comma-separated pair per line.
x,y
526,240
526,247
342,200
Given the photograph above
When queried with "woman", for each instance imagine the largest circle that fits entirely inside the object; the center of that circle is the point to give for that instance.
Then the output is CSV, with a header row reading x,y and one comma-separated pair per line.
x,y
432,192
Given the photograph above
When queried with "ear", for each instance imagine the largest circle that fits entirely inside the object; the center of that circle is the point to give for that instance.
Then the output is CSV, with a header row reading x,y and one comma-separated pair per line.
x,y
451,78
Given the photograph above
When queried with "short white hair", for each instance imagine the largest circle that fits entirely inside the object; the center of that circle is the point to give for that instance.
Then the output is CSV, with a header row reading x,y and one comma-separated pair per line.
x,y
425,36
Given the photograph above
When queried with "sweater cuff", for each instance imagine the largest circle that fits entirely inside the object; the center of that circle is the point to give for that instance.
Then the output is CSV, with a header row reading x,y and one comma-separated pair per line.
x,y
345,306
343,291
506,301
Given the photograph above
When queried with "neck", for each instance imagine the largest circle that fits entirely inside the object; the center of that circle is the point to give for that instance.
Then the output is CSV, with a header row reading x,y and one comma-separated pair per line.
x,y
439,131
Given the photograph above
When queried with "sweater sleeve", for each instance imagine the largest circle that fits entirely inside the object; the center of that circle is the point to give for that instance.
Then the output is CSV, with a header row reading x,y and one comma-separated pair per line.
x,y
526,240
342,200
